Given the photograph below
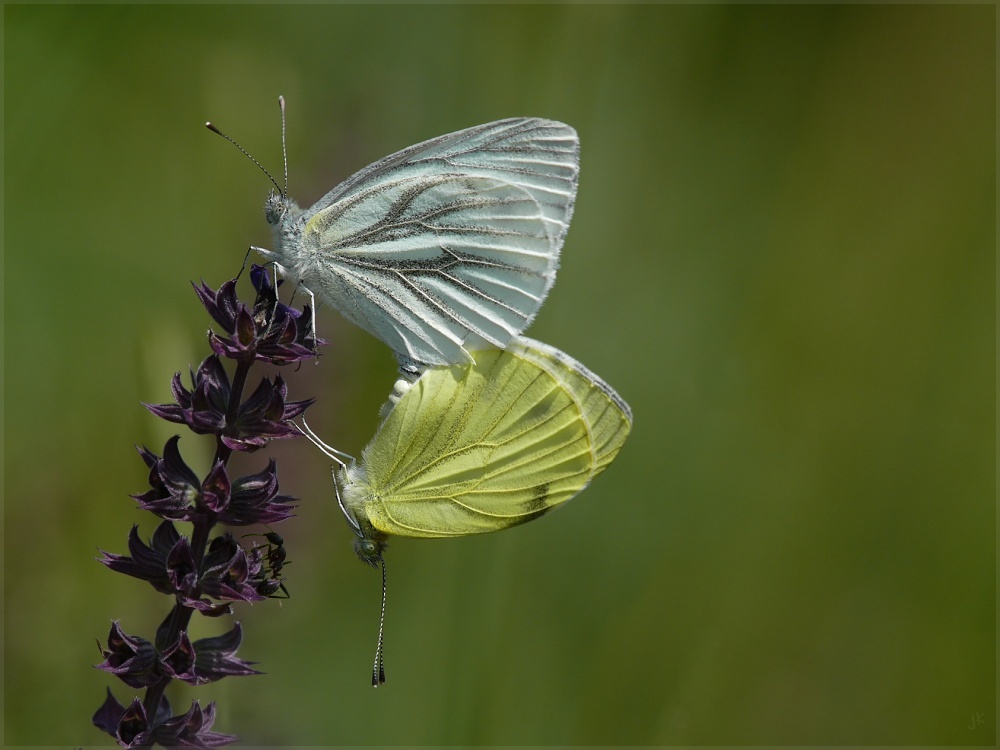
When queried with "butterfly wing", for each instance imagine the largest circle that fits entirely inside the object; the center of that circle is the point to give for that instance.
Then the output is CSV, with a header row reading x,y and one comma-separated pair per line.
x,y
476,448
608,416
448,245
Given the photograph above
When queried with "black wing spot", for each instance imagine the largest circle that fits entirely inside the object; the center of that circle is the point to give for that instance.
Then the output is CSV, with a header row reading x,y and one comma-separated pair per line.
x,y
537,504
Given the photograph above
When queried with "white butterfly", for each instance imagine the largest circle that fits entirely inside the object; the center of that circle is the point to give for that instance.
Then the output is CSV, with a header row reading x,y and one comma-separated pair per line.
x,y
443,247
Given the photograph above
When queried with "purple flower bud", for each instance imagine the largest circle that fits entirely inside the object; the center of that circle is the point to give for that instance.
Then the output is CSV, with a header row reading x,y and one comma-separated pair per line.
x,y
178,659
106,717
131,658
148,562
203,408
182,569
222,305
216,657
175,487
206,660
255,499
270,332
215,490
264,416
133,727
192,729
129,726
227,573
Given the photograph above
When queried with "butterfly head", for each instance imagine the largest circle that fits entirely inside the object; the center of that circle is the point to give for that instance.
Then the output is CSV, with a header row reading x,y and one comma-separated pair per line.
x,y
276,207
369,550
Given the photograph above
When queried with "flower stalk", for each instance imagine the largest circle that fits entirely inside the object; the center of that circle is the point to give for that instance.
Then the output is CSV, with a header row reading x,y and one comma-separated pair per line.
x,y
203,573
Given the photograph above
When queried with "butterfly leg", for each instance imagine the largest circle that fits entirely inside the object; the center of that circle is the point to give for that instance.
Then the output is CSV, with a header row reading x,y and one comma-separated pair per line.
x,y
312,309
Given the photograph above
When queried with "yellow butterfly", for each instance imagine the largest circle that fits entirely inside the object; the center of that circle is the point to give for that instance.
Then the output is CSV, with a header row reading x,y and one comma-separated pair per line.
x,y
472,448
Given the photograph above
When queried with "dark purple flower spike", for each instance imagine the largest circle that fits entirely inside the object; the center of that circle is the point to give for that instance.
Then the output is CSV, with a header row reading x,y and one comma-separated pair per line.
x,y
201,573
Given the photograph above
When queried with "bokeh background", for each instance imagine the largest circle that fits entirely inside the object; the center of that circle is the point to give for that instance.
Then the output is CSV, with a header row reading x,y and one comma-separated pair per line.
x,y
782,256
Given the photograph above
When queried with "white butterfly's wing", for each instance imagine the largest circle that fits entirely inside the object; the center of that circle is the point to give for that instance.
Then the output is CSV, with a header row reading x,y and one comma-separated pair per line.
x,y
542,156
427,261
449,243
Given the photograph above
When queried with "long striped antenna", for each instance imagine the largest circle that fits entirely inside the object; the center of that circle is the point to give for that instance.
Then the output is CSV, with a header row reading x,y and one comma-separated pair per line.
x,y
246,153
378,670
372,554
284,148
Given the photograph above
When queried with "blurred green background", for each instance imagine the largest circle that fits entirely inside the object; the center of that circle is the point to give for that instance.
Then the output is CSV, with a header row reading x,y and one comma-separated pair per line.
x,y
782,256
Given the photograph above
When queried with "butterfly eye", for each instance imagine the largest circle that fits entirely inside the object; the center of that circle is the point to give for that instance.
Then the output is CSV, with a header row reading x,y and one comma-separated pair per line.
x,y
369,551
274,208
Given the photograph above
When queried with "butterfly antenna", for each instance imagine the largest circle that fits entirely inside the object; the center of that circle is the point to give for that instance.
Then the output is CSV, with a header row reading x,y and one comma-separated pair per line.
x,y
284,148
335,455
243,151
378,670
332,453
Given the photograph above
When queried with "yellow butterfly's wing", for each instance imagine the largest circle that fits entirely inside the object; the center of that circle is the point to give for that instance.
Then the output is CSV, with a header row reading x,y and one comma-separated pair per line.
x,y
482,447
608,416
